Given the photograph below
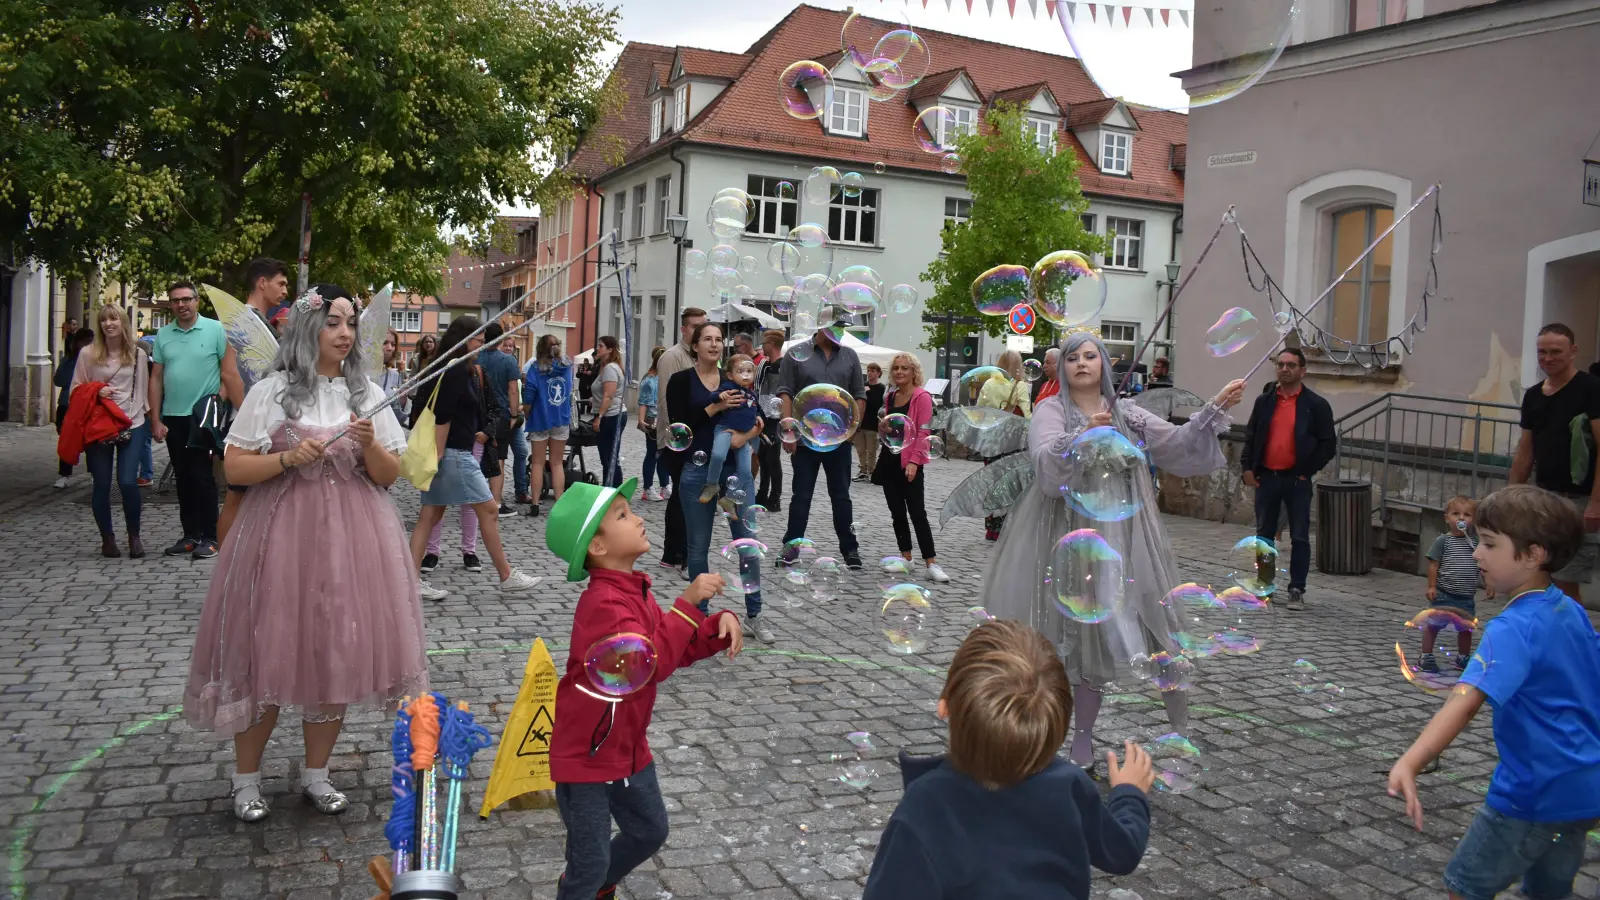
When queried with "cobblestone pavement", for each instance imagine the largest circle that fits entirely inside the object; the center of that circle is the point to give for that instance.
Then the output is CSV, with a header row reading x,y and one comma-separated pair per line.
x,y
111,795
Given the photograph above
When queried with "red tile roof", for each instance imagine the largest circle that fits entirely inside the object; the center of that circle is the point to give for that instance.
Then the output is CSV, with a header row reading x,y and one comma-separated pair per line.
x,y
716,63
476,279
631,125
1180,156
1091,113
929,87
1018,95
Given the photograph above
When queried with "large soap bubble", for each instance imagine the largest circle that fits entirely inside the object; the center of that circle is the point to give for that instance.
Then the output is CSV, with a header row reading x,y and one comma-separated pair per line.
x,y
931,127
1067,289
1104,485
970,389
996,291
1254,565
806,89
906,617
1087,575
620,664
741,565
1233,331
820,185
1134,58
827,415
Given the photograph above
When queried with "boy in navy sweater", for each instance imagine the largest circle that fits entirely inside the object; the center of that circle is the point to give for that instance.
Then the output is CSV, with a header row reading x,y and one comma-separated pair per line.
x,y
1000,816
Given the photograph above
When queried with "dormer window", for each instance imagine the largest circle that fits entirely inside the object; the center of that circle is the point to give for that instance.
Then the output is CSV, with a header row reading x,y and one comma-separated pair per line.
x,y
964,121
1116,152
1042,132
848,115
680,107
655,120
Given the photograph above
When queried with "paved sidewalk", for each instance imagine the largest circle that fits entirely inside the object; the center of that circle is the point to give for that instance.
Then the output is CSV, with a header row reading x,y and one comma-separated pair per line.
x,y
112,795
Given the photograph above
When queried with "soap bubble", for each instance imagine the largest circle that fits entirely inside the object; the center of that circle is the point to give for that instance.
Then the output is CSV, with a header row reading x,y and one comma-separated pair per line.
x,y
821,184
741,564
905,617
1067,289
1032,370
910,54
862,275
996,291
809,234
1249,34
1172,671
620,664
827,415
679,437
971,389
1192,602
879,167
896,565
723,256
979,615
802,350
902,298
772,406
732,484
935,447
932,126
747,266
1176,760
806,89
1236,328
826,575
850,184
854,297
1233,642
950,164
1237,597
893,432
1445,626
800,552
699,457
1254,565
794,587
856,774
783,258
782,300
694,263
1283,322
1104,483
1088,576
789,429
861,740
1304,676
727,217
753,517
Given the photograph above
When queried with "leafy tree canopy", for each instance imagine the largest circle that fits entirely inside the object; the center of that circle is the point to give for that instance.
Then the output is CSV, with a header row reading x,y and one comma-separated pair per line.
x,y
1026,203
176,139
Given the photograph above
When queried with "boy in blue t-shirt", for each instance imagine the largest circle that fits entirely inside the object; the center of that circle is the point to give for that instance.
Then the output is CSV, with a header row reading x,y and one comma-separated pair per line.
x,y
1538,663
734,429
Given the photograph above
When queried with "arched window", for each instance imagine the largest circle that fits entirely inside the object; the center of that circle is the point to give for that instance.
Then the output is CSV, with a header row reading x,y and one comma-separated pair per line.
x,y
1359,307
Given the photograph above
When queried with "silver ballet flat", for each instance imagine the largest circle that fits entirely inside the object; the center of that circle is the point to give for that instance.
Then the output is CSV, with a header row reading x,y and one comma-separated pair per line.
x,y
331,801
251,811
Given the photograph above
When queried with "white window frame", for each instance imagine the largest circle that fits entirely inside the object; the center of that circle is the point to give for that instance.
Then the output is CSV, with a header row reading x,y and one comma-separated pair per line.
x,y
619,216
966,122
655,120
845,102
1127,247
658,322
444,320
1042,132
784,212
640,192
680,107
1116,152
852,211
663,203
1114,342
956,211
405,320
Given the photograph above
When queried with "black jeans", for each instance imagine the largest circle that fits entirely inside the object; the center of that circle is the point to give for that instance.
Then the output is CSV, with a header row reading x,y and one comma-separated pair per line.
x,y
770,493
122,462
1272,492
838,463
905,502
595,859
197,486
675,548
610,449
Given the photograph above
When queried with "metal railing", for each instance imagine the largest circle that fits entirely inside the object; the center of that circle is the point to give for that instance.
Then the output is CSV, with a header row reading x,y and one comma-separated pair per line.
x,y
1420,450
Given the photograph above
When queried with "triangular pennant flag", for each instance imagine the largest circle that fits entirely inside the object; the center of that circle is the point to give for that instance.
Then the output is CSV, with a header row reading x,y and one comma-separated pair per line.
x,y
1050,8
969,7
1034,6
1111,13
1012,5
1127,15
1165,13
1092,16
1184,15
1150,16
991,7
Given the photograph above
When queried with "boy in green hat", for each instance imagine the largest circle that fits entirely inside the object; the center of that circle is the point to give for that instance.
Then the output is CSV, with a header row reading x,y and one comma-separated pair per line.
x,y
599,758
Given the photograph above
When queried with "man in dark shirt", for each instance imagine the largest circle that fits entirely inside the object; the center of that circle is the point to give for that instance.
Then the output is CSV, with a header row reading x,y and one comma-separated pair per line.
x,y
1560,430
504,376
828,363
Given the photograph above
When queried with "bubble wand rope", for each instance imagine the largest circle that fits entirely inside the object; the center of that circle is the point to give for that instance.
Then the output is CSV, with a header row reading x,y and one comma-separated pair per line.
x,y
425,746
403,817
1227,217
462,737
1432,191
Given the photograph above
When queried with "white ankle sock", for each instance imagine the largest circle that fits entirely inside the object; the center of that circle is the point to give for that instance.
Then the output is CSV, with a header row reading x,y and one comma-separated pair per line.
x,y
315,778
246,787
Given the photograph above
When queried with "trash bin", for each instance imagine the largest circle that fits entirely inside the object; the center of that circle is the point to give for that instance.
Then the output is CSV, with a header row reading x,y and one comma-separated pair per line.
x,y
1344,527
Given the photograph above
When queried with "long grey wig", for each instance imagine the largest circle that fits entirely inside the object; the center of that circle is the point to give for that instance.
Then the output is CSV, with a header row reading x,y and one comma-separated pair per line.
x,y
1108,387
299,350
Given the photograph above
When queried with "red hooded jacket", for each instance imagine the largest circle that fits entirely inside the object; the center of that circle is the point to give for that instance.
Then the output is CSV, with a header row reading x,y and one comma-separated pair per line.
x,y
595,740
90,419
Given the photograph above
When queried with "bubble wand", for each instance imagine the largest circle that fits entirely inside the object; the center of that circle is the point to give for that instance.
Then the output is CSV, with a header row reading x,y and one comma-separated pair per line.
x,y
403,817
461,738
1227,217
425,746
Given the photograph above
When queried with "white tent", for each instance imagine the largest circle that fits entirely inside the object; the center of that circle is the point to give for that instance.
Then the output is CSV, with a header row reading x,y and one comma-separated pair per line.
x,y
868,352
734,312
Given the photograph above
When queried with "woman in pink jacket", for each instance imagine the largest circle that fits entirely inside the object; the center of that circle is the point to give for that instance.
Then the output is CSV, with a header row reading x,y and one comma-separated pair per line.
x,y
901,474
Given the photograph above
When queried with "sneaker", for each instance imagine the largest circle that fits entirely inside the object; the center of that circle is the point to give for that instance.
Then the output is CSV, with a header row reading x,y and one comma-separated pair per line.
x,y
1428,664
1460,662
862,476
430,562
1295,600
788,558
936,573
654,495
708,494
469,561
518,581
429,592
533,511
666,492
60,483
183,547
204,550
145,482
506,511
523,499
666,565
852,561
756,625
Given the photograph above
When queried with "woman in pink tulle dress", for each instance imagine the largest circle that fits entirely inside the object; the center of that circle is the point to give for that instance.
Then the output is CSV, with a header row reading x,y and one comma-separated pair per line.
x,y
314,600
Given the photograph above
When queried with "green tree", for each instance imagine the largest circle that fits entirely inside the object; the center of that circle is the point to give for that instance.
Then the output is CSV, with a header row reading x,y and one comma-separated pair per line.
x,y
1026,203
176,138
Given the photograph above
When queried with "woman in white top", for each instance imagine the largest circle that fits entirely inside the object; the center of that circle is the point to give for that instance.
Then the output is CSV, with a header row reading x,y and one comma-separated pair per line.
x,y
314,600
608,387
116,359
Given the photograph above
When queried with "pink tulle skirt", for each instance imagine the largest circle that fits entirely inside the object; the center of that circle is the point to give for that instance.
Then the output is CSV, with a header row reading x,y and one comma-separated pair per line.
x,y
313,603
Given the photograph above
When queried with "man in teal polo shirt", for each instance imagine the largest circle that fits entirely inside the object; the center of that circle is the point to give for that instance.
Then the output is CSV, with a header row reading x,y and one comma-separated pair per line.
x,y
192,360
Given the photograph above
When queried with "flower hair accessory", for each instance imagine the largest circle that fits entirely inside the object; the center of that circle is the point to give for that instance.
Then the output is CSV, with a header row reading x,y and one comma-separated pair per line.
x,y
309,300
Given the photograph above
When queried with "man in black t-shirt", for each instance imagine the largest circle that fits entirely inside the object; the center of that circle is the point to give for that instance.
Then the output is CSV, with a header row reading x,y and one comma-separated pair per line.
x,y
1560,431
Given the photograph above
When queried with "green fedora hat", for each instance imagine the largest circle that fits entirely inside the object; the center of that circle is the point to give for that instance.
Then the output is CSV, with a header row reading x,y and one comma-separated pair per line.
x,y
576,517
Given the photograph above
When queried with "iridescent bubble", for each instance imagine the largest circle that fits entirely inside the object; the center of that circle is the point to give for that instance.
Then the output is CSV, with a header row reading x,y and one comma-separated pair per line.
x,y
979,615
882,72
732,484
801,351
1283,322
679,437
879,167
727,217
896,565
1235,329
1234,642
935,447
694,263
894,431
620,664
905,617
772,406
861,740
851,183
902,298
1104,482
1170,780
726,279
826,575
931,127
753,517
1067,289
1254,565
979,410
748,266
996,291
827,415
1191,596
1174,745
1238,598
854,297
806,89
783,258
820,185
862,275
910,54
1032,370
741,564
699,457
950,164
1172,672
856,774
723,256
1304,676
1088,576
794,588
809,234
800,552
789,430
782,300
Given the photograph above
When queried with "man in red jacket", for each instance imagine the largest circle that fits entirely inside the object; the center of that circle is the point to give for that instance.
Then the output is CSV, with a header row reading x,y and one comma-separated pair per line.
x,y
622,646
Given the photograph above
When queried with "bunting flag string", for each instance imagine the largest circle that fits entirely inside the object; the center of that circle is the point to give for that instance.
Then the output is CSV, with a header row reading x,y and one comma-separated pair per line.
x,y
1110,10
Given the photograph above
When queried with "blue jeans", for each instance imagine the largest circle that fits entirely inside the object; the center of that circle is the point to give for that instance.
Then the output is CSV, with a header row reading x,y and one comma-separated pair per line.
x,y
699,518
836,462
650,458
147,458
721,444
610,448
519,460
103,460
1272,492
1498,851
595,859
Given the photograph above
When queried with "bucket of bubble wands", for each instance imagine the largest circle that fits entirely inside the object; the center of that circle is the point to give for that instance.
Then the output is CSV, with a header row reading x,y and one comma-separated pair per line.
x,y
432,741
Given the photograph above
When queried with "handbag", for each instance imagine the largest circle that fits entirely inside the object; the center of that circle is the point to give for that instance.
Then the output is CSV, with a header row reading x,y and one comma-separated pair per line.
x,y
420,462
210,420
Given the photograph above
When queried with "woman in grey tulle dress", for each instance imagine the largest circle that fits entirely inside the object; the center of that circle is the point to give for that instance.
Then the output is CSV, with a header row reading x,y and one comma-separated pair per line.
x,y
1017,581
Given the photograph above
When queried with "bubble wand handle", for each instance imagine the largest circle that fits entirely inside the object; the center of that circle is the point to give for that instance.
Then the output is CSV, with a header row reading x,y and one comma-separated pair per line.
x,y
1227,216
1432,191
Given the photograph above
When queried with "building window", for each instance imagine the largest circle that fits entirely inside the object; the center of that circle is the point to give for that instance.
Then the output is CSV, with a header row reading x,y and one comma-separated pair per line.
x,y
1088,222
1121,339
1126,252
854,220
619,212
1364,14
777,206
965,122
1360,308
1116,151
1043,134
655,120
956,211
615,319
680,107
663,203
848,116
658,321
444,321
405,319
638,210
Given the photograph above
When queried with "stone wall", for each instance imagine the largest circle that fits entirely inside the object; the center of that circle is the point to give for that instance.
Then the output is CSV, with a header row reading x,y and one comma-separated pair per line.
x,y
30,394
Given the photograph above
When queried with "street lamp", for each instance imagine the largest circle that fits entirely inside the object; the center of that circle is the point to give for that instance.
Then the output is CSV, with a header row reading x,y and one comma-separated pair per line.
x,y
1172,272
677,227
1171,284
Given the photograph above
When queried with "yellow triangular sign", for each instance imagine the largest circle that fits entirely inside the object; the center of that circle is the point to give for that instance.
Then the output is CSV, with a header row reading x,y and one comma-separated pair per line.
x,y
522,761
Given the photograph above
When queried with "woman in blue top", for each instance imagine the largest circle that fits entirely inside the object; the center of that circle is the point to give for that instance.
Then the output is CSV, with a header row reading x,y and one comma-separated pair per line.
x,y
649,385
547,404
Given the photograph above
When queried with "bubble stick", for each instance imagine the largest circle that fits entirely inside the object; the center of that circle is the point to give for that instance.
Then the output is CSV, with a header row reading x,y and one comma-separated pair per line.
x,y
1227,216
460,739
425,746
401,827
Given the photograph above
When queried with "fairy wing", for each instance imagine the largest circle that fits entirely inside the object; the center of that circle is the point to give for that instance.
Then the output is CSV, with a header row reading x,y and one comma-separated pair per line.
x,y
251,339
992,490
374,325
986,432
